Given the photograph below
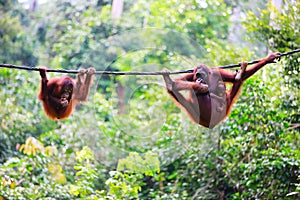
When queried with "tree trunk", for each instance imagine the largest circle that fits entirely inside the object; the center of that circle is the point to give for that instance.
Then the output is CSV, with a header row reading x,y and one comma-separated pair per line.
x,y
117,9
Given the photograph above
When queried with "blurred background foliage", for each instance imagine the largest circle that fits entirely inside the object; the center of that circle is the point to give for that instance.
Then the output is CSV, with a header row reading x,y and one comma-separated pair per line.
x,y
129,140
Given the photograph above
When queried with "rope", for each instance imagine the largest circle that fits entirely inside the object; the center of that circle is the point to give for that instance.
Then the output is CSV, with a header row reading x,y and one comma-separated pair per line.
x,y
97,72
256,61
10,66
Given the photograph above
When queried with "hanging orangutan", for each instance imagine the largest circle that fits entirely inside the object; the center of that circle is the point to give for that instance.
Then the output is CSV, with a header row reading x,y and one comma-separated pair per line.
x,y
209,102
60,95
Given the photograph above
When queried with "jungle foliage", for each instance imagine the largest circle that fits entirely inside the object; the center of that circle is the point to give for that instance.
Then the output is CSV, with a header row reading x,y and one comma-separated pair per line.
x,y
130,141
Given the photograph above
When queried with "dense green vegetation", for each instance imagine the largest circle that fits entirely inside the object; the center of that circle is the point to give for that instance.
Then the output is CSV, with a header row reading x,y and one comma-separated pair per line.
x,y
130,141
